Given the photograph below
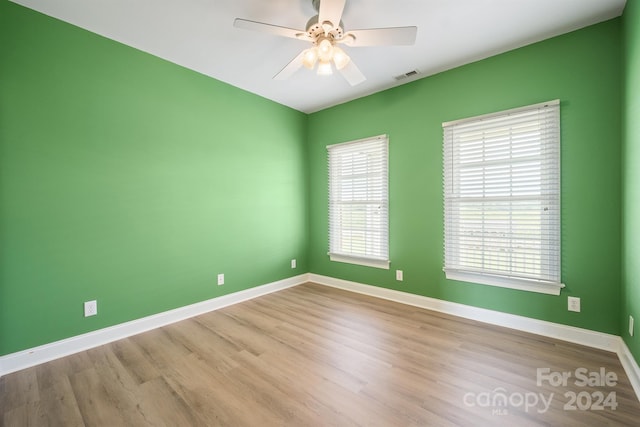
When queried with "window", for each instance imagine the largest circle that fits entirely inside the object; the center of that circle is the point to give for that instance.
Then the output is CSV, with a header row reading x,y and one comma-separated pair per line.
x,y
359,203
502,199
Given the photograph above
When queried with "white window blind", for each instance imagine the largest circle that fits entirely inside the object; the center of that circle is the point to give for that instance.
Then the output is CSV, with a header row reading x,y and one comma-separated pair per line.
x,y
502,199
358,202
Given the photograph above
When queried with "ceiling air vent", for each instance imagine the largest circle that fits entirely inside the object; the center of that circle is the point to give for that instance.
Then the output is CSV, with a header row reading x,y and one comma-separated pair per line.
x,y
406,75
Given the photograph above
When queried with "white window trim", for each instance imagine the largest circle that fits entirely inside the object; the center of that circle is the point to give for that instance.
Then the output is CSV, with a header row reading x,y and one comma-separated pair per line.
x,y
368,261
505,281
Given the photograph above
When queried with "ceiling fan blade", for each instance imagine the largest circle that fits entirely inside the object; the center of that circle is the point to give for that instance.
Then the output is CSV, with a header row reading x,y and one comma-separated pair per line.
x,y
271,29
381,36
290,68
331,10
352,74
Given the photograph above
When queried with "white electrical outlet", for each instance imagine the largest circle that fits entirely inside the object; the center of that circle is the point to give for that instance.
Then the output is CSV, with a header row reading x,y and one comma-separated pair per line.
x,y
293,263
220,279
399,275
631,325
574,304
90,308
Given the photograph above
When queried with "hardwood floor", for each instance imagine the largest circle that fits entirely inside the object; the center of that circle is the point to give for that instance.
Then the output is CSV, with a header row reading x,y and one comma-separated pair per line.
x,y
317,356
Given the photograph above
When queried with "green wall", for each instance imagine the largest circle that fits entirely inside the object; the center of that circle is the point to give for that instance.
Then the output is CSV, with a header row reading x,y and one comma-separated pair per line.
x,y
133,181
582,69
631,178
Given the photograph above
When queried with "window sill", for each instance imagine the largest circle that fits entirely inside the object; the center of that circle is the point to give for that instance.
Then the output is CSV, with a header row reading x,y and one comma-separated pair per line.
x,y
367,262
506,282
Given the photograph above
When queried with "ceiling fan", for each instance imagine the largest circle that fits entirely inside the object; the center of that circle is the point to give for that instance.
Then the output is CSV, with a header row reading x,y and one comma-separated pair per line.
x,y
325,32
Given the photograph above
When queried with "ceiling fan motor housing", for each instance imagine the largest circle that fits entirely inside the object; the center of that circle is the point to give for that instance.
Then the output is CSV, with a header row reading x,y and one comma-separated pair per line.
x,y
315,30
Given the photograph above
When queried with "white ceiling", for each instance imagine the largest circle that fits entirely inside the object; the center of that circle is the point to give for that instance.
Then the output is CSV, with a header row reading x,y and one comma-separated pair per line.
x,y
199,34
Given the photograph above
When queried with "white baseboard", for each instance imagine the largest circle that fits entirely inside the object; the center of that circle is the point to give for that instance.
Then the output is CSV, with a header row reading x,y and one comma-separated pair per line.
x,y
630,366
608,342
540,327
44,353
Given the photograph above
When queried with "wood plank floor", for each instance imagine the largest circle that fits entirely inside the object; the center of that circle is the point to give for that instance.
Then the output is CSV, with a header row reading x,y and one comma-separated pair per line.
x,y
317,356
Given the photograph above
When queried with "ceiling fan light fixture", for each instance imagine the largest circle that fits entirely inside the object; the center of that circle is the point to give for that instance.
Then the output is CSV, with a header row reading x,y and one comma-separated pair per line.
x,y
325,50
340,58
324,68
309,58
